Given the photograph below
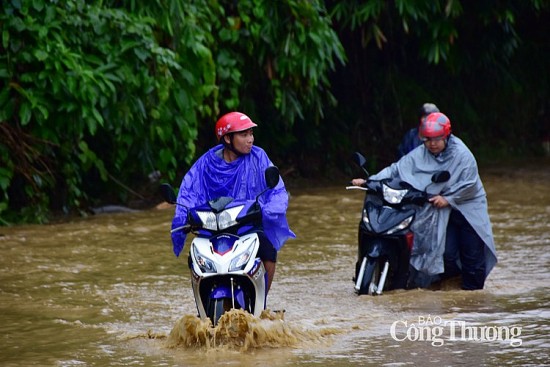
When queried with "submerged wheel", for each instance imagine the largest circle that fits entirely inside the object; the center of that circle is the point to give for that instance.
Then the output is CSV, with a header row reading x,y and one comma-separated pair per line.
x,y
368,275
375,279
217,307
372,275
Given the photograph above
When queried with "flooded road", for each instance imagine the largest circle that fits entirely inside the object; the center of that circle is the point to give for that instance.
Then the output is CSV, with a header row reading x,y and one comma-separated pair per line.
x,y
108,291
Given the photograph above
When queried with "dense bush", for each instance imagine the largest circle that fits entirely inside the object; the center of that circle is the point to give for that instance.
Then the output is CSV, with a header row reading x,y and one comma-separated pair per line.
x,y
99,97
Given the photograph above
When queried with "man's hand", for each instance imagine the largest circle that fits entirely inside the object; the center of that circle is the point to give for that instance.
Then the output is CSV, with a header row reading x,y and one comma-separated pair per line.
x,y
358,181
439,201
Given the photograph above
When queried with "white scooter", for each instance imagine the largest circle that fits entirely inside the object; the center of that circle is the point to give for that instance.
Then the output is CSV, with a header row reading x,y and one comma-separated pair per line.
x,y
225,270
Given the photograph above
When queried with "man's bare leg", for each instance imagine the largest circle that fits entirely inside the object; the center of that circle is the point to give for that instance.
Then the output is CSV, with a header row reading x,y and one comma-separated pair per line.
x,y
270,270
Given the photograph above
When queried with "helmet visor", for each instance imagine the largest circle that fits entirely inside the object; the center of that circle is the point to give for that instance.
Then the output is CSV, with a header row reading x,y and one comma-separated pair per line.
x,y
426,139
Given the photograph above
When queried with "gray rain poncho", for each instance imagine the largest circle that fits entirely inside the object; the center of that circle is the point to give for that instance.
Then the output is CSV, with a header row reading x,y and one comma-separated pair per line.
x,y
464,192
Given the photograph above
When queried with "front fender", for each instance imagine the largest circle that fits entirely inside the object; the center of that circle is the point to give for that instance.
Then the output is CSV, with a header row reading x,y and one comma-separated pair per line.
x,y
225,292
375,248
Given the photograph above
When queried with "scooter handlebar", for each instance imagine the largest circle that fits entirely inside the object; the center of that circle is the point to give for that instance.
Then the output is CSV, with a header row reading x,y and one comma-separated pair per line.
x,y
356,188
186,228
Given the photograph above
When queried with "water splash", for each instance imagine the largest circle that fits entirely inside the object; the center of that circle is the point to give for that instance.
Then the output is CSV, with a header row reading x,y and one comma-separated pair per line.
x,y
237,329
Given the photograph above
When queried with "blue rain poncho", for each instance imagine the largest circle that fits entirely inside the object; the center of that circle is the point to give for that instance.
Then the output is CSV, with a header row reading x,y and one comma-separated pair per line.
x,y
464,192
410,141
243,179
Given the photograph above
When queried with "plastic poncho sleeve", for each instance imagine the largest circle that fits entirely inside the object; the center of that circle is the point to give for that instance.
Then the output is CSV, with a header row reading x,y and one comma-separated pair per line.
x,y
274,205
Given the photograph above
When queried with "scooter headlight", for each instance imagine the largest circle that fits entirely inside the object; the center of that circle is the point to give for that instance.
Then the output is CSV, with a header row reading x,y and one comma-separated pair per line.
x,y
228,217
220,221
366,218
393,196
404,224
208,220
239,262
206,265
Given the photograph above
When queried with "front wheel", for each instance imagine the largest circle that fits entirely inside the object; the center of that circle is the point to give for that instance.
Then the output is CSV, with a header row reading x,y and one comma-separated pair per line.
x,y
217,307
372,276
366,276
375,279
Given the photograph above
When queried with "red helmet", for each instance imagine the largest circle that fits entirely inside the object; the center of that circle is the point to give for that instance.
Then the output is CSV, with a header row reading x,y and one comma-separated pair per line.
x,y
232,122
435,125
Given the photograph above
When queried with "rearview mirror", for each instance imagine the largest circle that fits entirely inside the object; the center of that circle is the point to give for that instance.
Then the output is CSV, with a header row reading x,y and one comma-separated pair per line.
x,y
441,176
168,193
359,159
272,176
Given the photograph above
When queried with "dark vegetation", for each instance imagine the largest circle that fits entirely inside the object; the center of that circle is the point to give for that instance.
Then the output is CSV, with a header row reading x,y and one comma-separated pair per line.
x,y
99,100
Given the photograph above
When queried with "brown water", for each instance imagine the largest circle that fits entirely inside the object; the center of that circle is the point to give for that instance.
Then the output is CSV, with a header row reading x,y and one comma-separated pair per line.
x,y
107,291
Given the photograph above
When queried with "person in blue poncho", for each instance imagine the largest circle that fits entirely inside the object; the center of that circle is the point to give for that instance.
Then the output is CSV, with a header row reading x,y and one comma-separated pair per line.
x,y
235,168
411,139
452,234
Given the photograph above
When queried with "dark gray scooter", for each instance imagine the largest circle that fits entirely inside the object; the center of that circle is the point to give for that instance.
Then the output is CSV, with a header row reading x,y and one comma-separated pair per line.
x,y
385,239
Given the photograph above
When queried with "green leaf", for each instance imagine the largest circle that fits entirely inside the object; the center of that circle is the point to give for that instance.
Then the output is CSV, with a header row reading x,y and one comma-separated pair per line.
x,y
25,113
4,96
40,55
98,116
38,5
5,177
5,38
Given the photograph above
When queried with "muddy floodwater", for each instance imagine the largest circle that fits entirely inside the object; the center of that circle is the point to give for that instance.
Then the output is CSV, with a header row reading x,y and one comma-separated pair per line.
x,y
108,291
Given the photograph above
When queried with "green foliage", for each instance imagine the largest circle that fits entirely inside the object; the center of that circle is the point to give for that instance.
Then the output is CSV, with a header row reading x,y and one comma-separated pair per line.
x,y
274,60
288,47
95,95
102,92
432,21
87,92
470,58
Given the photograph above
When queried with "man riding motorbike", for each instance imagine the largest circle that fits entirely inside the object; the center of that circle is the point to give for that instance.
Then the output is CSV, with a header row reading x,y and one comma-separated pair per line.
x,y
235,168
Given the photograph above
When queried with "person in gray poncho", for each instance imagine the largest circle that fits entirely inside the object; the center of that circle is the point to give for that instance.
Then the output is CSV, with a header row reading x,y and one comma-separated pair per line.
x,y
452,234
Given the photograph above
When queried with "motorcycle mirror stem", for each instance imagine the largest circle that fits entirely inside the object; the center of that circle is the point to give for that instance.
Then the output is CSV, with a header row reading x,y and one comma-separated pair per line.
x,y
272,178
361,161
168,194
170,197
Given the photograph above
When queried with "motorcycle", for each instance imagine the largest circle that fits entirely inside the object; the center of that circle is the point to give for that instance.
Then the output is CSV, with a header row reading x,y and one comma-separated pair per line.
x,y
225,270
385,239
